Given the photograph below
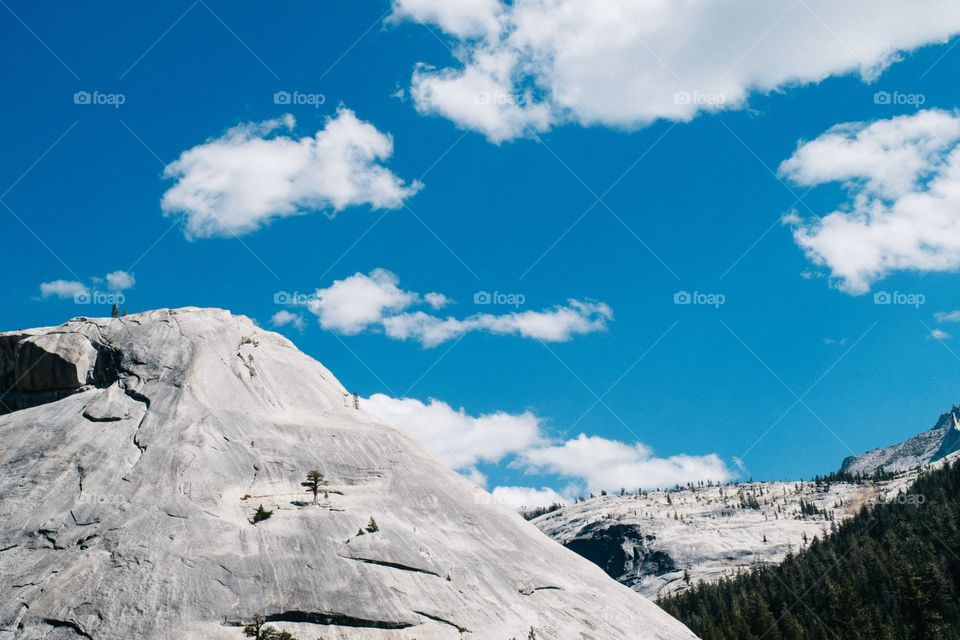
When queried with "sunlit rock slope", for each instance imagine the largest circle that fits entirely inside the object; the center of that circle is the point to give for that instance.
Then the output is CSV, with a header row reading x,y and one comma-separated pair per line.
x,y
134,452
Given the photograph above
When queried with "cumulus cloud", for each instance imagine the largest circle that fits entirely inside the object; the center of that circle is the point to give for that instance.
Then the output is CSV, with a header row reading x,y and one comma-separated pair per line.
x,y
521,441
284,318
252,174
939,334
524,498
351,305
609,464
120,280
456,438
532,64
903,213
63,289
462,18
375,300
116,281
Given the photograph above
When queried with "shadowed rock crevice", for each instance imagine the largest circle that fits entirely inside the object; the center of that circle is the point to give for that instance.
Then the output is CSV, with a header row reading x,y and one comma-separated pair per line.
x,y
392,565
327,619
443,621
68,624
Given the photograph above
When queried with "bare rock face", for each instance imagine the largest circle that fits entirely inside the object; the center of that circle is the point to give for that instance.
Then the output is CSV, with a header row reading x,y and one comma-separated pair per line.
x,y
131,469
39,367
54,361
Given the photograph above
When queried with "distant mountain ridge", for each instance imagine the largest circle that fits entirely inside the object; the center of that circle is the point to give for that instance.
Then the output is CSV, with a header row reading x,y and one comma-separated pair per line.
x,y
663,542
929,446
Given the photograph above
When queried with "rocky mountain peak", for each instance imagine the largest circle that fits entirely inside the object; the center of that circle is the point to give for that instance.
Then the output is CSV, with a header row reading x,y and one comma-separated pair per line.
x,y
150,487
930,446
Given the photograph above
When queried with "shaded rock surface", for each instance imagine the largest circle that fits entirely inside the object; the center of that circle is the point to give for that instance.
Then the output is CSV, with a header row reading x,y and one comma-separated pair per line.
x,y
54,361
141,447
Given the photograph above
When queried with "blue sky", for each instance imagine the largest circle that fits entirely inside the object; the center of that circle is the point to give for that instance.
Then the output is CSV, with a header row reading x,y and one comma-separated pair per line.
x,y
795,370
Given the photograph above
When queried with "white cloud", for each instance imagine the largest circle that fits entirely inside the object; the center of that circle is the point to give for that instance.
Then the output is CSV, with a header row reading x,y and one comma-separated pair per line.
x,y
532,64
117,281
522,498
939,334
120,280
481,97
903,213
351,305
475,476
242,180
63,289
557,324
462,18
947,316
454,437
436,300
375,300
463,442
283,318
610,465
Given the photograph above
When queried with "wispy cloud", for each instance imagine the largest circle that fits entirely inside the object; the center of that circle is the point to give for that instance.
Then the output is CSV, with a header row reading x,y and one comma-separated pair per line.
x,y
363,302
113,282
62,289
521,441
939,334
285,318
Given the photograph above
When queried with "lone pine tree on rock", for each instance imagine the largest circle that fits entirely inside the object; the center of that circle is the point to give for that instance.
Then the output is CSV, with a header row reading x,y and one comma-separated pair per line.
x,y
314,483
259,631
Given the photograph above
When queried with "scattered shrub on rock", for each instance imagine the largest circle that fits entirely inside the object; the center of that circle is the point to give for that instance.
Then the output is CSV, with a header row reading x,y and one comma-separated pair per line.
x,y
261,514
